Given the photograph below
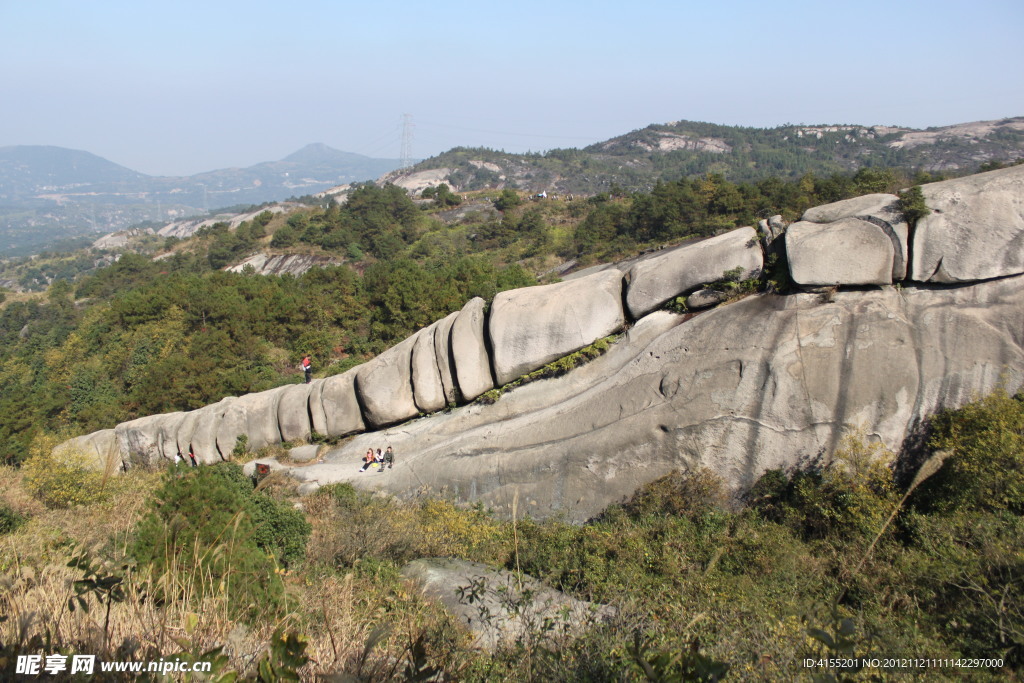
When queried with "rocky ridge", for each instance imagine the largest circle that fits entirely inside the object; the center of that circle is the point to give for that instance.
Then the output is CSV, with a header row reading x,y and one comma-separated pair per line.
x,y
757,384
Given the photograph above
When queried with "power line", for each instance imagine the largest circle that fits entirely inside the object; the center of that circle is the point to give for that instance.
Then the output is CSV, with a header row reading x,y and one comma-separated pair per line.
x,y
498,132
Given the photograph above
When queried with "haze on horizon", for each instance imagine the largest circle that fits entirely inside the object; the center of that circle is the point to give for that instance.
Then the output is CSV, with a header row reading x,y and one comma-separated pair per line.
x,y
177,88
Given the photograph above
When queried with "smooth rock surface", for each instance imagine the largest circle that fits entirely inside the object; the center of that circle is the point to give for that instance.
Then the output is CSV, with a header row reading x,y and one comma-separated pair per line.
x,y
975,230
849,251
428,391
758,384
469,349
339,406
99,449
653,282
533,326
304,453
384,385
881,209
443,353
141,441
505,608
254,415
293,412
204,435
704,298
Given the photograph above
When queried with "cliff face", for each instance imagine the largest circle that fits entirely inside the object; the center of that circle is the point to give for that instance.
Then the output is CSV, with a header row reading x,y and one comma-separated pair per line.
x,y
760,383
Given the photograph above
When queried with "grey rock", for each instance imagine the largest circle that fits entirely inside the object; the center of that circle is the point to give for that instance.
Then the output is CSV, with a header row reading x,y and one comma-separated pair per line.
x,y
704,298
293,412
384,385
759,384
99,449
849,251
975,230
309,488
443,352
339,405
428,391
504,608
255,416
882,210
303,453
533,326
141,441
678,271
316,406
204,434
469,348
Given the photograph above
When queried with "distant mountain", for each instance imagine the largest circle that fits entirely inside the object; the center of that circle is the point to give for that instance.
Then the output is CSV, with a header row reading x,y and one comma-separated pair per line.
x,y
637,160
47,193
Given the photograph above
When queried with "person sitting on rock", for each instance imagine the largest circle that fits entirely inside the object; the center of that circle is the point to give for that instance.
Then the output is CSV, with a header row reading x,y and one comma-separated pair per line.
x,y
389,459
379,459
368,460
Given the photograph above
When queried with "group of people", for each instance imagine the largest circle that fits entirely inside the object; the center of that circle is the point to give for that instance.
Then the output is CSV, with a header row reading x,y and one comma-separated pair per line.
x,y
191,456
385,459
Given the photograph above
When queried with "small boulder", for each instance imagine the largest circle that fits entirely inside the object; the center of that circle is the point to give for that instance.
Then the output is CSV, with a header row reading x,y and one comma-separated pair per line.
x,y
497,607
469,348
303,453
975,230
883,210
704,298
654,281
533,326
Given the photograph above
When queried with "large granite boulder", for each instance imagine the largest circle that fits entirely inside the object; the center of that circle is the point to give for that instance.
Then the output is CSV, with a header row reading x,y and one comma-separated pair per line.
x,y
428,390
975,230
384,385
339,406
533,326
762,383
498,607
445,361
293,412
142,441
849,251
255,416
654,281
469,349
99,449
882,210
204,434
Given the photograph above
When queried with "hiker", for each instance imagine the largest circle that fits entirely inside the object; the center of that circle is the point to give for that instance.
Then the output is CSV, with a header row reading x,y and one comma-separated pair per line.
x,y
389,459
192,456
368,460
177,458
379,459
307,367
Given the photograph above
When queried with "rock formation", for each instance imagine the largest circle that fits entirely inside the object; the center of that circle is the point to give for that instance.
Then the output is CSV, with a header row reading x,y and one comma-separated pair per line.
x,y
759,383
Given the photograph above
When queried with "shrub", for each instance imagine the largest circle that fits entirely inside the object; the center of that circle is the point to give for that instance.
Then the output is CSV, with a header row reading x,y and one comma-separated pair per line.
x,y
62,477
199,540
683,494
9,519
985,466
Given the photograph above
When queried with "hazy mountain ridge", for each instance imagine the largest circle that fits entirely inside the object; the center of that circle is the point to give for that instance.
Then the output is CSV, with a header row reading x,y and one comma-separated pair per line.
x,y
637,160
50,192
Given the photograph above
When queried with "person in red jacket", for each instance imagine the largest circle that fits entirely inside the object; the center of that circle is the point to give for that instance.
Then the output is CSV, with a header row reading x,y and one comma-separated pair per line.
x,y
307,367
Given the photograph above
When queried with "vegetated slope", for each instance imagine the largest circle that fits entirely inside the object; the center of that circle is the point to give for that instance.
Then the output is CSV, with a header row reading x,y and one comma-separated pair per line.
x,y
51,192
664,152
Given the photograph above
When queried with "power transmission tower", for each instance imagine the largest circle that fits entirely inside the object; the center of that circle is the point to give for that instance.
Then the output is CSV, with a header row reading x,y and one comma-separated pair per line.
x,y
406,154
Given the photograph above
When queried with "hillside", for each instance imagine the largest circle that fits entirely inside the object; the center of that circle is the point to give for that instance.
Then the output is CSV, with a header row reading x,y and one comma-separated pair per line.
x,y
48,193
665,152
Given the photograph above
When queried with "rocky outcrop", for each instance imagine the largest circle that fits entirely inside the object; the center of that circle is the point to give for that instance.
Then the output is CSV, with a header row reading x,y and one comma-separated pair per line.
x,y
428,390
761,383
498,607
99,449
881,210
252,415
336,401
975,230
282,264
293,412
384,386
654,281
443,353
849,251
469,350
533,326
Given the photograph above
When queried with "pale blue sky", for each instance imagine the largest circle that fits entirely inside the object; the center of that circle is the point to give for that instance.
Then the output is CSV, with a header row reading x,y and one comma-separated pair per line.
x,y
183,87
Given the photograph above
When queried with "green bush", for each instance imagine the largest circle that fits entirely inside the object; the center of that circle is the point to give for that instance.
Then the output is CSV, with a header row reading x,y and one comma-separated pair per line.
x,y
9,519
200,539
985,466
